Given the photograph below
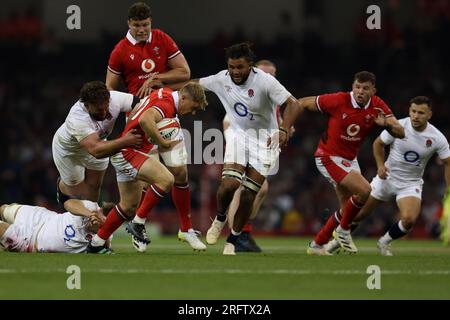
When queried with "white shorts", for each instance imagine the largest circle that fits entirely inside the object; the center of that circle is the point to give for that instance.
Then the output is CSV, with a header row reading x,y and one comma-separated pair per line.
x,y
241,150
21,235
334,169
386,189
71,167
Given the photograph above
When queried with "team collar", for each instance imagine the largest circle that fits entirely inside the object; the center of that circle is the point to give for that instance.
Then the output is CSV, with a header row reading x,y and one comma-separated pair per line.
x,y
356,105
134,41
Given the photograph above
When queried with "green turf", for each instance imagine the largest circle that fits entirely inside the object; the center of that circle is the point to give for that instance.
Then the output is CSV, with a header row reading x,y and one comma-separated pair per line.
x,y
170,270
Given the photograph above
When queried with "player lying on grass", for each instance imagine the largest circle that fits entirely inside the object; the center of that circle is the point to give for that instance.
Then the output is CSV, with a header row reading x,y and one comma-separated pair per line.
x,y
26,228
400,176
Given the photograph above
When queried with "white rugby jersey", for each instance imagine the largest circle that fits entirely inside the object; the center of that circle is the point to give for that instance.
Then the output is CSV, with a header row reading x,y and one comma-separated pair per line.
x,y
65,232
78,124
408,157
252,105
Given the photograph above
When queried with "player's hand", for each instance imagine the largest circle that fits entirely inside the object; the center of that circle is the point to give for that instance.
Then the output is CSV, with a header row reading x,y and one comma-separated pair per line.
x,y
383,172
148,85
165,145
380,119
132,139
277,140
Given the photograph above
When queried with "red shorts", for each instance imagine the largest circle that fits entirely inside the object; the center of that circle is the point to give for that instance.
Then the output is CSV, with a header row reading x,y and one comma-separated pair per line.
x,y
336,168
127,163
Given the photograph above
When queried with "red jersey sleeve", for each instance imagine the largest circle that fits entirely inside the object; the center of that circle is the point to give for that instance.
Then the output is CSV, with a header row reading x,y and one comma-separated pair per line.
x,y
328,103
170,46
383,106
115,64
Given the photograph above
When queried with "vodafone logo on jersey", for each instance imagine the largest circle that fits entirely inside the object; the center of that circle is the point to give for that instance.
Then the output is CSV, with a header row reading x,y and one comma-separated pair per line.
x,y
353,130
148,65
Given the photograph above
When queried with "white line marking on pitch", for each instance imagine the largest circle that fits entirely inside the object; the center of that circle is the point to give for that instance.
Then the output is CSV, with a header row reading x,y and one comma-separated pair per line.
x,y
233,271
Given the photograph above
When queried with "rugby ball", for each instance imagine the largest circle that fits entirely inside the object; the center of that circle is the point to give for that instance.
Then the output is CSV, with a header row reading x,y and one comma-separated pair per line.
x,y
168,128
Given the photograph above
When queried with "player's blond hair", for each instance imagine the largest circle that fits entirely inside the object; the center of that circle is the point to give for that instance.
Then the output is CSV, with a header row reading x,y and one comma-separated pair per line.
x,y
196,92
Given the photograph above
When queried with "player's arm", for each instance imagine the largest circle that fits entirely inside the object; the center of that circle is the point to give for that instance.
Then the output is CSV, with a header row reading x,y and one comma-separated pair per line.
x,y
113,80
148,121
179,72
294,108
101,149
378,148
77,208
390,124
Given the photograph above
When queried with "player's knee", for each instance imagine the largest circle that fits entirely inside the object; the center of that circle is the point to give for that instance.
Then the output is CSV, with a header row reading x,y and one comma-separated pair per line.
x,y
363,194
180,174
167,181
229,185
2,208
408,222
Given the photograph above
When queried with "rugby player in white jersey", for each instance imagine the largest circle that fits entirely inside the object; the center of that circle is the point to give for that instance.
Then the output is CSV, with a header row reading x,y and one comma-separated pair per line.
x,y
400,176
245,242
249,96
80,149
35,229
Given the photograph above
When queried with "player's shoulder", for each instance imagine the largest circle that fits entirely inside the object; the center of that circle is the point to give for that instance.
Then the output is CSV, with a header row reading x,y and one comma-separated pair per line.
x,y
158,34
339,96
432,130
404,121
376,101
123,44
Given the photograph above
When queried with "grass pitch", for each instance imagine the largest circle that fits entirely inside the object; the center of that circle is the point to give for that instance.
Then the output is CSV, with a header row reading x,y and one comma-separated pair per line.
x,y
171,270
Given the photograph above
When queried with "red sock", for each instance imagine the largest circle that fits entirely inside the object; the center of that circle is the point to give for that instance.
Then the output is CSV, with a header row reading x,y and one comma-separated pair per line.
x,y
181,195
247,227
113,221
327,230
151,199
351,210
144,192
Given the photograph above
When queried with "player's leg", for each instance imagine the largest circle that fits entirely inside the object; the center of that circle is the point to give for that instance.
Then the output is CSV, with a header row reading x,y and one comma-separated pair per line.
x,y
232,174
3,230
326,232
94,181
160,181
130,194
409,212
251,186
246,242
8,212
360,189
175,160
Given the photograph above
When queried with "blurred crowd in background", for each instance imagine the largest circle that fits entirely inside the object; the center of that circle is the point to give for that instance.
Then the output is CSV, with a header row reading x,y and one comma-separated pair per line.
x,y
41,75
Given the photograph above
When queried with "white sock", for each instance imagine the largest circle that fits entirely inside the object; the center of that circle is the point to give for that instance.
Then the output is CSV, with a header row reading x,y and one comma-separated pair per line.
x,y
138,219
340,229
97,241
234,233
386,239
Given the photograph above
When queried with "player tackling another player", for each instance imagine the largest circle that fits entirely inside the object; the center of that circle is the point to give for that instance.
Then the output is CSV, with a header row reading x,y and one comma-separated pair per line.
x,y
135,168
